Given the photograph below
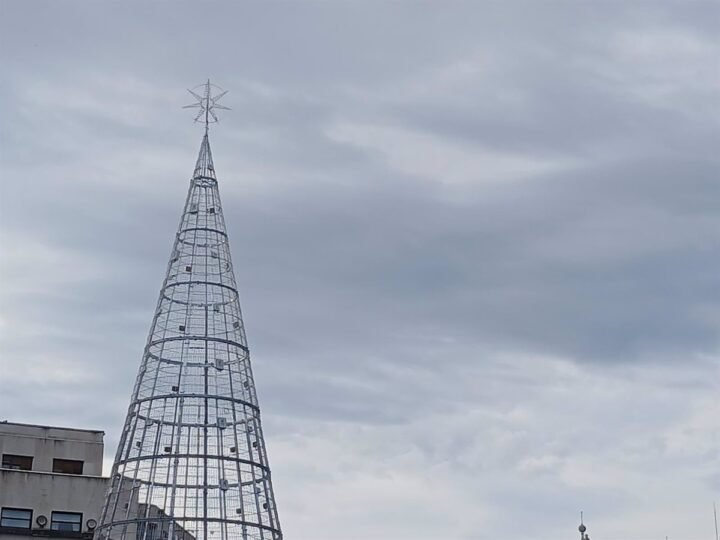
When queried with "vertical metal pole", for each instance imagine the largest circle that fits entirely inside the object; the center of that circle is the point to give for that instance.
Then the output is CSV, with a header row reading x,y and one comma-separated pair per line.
x,y
205,437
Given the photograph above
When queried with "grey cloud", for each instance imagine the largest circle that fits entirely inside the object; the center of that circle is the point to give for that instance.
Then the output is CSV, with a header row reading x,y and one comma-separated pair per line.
x,y
424,335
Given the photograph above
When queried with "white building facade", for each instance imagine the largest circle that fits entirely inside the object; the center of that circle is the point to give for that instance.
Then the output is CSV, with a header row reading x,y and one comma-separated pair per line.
x,y
51,482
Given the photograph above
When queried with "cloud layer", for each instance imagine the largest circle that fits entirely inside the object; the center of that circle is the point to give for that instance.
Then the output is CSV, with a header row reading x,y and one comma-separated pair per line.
x,y
477,246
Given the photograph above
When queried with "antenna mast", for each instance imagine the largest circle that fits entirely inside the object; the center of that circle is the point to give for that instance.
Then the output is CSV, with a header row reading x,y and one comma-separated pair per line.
x,y
582,528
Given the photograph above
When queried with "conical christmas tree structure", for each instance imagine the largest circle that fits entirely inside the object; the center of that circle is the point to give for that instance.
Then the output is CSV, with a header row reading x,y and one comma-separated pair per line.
x,y
191,462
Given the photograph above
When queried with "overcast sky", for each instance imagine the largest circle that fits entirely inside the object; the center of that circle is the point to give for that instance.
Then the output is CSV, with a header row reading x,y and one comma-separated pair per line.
x,y
477,244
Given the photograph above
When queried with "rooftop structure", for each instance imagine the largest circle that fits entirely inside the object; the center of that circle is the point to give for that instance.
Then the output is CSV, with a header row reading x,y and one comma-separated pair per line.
x,y
191,462
582,529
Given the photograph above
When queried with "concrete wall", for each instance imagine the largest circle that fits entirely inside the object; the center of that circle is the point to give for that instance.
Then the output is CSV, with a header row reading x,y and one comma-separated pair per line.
x,y
47,492
46,443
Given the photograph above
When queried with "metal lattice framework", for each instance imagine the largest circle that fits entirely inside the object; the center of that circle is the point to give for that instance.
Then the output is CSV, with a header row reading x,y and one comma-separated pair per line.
x,y
191,462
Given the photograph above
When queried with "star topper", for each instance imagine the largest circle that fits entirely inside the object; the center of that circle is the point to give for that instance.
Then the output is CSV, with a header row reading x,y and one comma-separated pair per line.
x,y
207,103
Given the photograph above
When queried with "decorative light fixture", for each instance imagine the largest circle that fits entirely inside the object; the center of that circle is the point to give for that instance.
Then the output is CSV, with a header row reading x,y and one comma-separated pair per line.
x,y
197,323
41,521
91,524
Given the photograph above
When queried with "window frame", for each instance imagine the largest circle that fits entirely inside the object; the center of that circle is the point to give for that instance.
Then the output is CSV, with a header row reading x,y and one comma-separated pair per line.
x,y
30,519
53,521
149,531
14,468
69,461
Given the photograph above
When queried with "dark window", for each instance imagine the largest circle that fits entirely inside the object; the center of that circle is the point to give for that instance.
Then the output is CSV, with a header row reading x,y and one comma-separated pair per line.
x,y
19,518
68,466
20,463
148,531
66,521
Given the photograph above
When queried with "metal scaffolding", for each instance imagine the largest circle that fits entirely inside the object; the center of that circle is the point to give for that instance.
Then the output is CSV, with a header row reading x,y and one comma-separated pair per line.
x,y
191,462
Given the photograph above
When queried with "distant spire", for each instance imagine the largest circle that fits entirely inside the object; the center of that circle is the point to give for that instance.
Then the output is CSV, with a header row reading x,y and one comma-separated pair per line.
x,y
582,528
207,103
